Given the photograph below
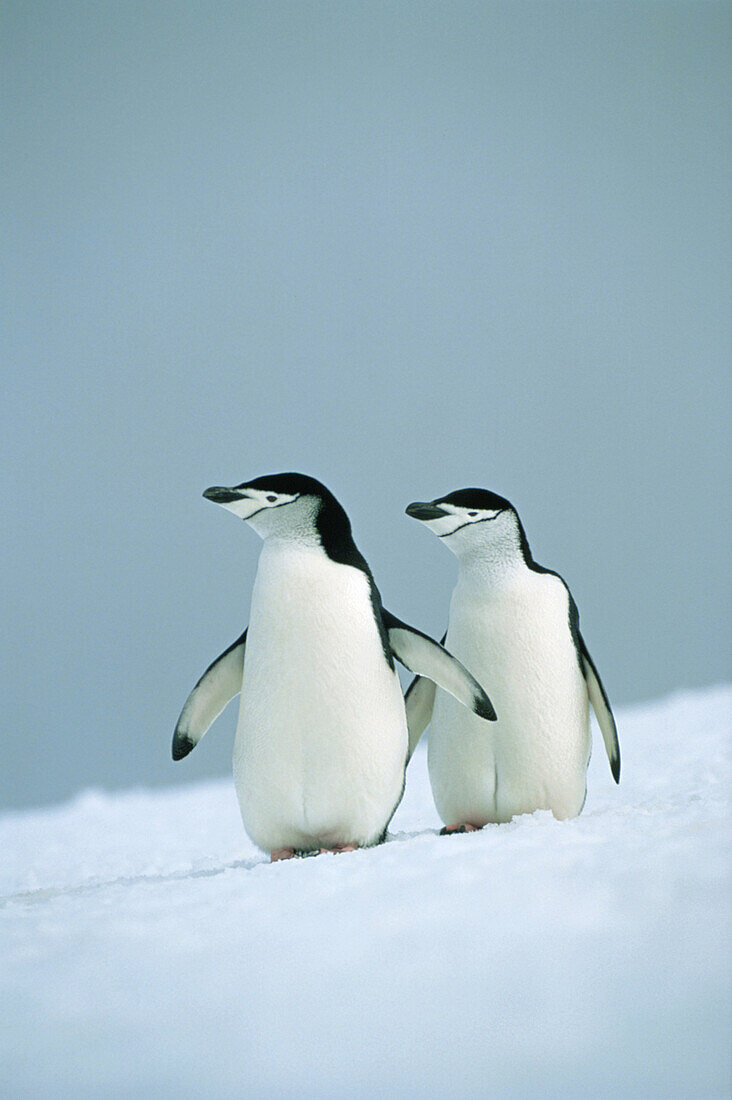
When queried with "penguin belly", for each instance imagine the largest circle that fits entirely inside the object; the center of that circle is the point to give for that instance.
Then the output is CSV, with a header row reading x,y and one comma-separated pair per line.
x,y
321,740
516,638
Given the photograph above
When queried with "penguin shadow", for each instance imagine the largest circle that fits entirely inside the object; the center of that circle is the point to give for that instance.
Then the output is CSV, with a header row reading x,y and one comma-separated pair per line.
x,y
435,834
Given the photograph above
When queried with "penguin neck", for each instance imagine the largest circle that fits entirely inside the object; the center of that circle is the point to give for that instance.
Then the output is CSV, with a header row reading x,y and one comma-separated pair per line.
x,y
328,533
305,539
495,560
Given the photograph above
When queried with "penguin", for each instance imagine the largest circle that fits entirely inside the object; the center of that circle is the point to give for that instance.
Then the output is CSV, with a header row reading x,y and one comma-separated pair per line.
x,y
514,623
321,742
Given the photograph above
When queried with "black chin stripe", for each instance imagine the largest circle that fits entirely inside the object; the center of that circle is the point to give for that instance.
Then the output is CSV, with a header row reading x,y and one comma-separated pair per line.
x,y
471,523
271,507
245,519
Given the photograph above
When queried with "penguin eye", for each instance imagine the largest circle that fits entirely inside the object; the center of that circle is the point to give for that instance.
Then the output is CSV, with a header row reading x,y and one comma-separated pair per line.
x,y
271,499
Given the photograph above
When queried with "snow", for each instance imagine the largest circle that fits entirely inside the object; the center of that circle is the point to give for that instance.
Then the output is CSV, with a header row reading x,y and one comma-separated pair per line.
x,y
148,950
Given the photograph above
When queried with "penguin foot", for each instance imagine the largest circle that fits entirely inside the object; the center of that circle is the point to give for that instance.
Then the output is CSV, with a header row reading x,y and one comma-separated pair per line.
x,y
448,830
281,853
306,853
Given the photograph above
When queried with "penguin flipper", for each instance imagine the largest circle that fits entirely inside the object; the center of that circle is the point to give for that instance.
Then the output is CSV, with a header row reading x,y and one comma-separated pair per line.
x,y
428,658
419,703
601,707
219,684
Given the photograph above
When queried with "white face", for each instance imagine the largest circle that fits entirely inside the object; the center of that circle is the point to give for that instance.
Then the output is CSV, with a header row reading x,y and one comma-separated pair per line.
x,y
264,509
462,528
455,518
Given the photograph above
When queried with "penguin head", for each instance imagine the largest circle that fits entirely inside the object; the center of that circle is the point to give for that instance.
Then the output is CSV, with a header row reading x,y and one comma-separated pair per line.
x,y
283,505
471,519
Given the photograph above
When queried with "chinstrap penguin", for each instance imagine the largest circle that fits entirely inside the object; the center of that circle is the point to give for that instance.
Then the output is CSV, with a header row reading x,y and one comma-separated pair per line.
x,y
321,741
515,625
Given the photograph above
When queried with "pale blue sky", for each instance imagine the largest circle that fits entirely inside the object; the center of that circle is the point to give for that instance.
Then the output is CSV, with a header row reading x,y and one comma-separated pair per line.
x,y
403,247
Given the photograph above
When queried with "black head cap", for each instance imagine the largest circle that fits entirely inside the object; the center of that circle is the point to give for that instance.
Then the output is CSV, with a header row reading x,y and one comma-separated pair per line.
x,y
476,498
289,483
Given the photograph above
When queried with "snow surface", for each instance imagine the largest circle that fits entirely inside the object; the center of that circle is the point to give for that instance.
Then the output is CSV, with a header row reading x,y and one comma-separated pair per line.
x,y
148,950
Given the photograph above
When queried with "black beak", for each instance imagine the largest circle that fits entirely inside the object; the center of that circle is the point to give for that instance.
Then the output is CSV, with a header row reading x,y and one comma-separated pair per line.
x,y
219,495
418,510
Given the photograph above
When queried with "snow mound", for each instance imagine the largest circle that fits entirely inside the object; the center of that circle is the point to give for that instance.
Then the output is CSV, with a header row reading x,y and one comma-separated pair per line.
x,y
149,950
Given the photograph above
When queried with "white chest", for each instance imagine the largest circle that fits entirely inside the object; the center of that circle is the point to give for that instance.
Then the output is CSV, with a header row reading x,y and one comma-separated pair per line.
x,y
515,638
321,737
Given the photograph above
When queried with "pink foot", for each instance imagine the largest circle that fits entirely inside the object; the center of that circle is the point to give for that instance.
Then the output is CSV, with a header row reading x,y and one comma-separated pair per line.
x,y
290,853
281,853
464,828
